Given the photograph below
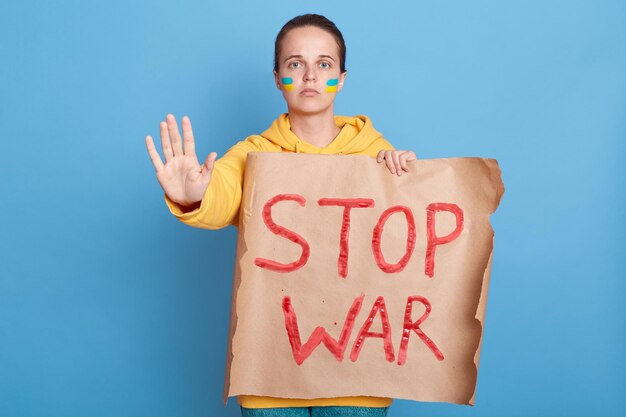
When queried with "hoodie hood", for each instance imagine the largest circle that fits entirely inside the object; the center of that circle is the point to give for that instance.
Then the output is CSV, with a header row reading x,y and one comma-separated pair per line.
x,y
356,135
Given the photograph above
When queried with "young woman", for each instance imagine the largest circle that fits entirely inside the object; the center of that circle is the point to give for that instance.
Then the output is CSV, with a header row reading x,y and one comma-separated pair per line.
x,y
309,70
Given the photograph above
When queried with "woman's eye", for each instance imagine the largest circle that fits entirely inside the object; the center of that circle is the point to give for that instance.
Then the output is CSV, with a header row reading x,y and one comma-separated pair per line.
x,y
327,65
292,65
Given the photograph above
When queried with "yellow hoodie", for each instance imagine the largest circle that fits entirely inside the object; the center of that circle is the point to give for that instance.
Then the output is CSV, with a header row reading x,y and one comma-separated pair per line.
x,y
220,207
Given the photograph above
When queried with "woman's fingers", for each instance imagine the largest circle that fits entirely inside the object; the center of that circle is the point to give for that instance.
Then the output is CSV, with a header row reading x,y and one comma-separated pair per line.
x,y
154,155
396,162
166,145
403,159
389,162
172,127
190,147
207,167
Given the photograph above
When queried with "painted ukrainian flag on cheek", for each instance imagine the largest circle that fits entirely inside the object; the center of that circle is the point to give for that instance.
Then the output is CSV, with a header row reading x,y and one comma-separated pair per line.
x,y
287,83
332,85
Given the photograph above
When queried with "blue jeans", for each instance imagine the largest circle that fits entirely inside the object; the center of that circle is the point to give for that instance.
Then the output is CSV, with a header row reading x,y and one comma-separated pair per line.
x,y
315,412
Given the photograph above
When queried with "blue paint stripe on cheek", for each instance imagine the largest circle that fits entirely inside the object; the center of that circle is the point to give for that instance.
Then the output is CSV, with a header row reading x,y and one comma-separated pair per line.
x,y
287,80
332,81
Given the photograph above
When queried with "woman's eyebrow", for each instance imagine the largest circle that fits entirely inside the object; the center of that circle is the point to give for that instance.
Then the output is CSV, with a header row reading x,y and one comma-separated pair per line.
x,y
300,56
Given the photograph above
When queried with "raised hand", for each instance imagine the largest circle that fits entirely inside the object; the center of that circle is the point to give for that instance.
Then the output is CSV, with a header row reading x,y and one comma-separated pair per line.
x,y
396,160
182,177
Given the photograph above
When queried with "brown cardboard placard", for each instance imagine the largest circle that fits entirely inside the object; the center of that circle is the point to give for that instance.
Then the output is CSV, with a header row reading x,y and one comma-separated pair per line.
x,y
352,281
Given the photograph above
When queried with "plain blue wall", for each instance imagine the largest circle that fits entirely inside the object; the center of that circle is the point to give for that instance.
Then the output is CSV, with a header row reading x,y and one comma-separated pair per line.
x,y
111,307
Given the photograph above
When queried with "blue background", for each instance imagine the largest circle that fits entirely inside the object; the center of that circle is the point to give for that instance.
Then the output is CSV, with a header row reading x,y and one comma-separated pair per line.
x,y
109,306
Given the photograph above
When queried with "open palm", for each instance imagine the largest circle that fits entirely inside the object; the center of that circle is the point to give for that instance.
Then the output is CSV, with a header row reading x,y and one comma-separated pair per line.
x,y
182,177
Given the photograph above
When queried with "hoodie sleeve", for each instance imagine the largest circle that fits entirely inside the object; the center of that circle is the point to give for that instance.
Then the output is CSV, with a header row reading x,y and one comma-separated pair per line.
x,y
220,205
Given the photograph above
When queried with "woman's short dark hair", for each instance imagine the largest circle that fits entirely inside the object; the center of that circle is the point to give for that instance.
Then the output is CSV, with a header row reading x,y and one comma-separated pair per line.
x,y
318,21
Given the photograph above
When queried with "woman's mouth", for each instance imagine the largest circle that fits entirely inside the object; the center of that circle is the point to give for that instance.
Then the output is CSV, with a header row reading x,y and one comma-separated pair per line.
x,y
309,92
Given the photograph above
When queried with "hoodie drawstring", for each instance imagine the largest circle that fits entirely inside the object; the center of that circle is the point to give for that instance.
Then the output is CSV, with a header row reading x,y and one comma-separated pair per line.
x,y
298,146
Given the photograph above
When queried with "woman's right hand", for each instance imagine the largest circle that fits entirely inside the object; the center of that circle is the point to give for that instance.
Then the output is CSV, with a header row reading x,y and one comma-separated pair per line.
x,y
182,177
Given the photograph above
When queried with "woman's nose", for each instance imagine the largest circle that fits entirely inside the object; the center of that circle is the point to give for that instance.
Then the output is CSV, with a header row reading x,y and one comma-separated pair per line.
x,y
309,75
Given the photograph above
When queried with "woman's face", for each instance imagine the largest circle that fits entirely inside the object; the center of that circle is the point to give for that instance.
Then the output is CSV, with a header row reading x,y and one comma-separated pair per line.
x,y
309,59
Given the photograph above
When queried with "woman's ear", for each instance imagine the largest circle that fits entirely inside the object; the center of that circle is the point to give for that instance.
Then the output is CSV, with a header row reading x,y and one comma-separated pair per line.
x,y
342,79
276,80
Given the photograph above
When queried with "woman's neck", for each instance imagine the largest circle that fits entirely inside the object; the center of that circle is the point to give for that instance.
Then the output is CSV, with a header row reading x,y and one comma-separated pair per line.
x,y
318,129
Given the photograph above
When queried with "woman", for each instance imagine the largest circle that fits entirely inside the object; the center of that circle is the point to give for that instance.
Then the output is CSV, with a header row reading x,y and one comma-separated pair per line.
x,y
309,69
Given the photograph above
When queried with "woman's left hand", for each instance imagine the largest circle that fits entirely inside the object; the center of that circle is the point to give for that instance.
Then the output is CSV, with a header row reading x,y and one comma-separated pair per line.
x,y
396,160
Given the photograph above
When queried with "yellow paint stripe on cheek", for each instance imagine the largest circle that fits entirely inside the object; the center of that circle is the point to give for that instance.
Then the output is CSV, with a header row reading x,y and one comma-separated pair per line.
x,y
331,89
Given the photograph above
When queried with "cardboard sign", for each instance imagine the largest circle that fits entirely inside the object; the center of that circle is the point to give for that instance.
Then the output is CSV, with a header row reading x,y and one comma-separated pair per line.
x,y
350,280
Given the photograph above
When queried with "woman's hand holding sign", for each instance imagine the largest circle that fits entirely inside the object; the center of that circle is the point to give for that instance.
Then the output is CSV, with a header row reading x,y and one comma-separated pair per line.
x,y
396,160
182,177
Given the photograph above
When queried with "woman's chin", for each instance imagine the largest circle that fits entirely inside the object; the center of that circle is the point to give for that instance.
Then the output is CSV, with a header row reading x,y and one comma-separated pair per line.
x,y
308,108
